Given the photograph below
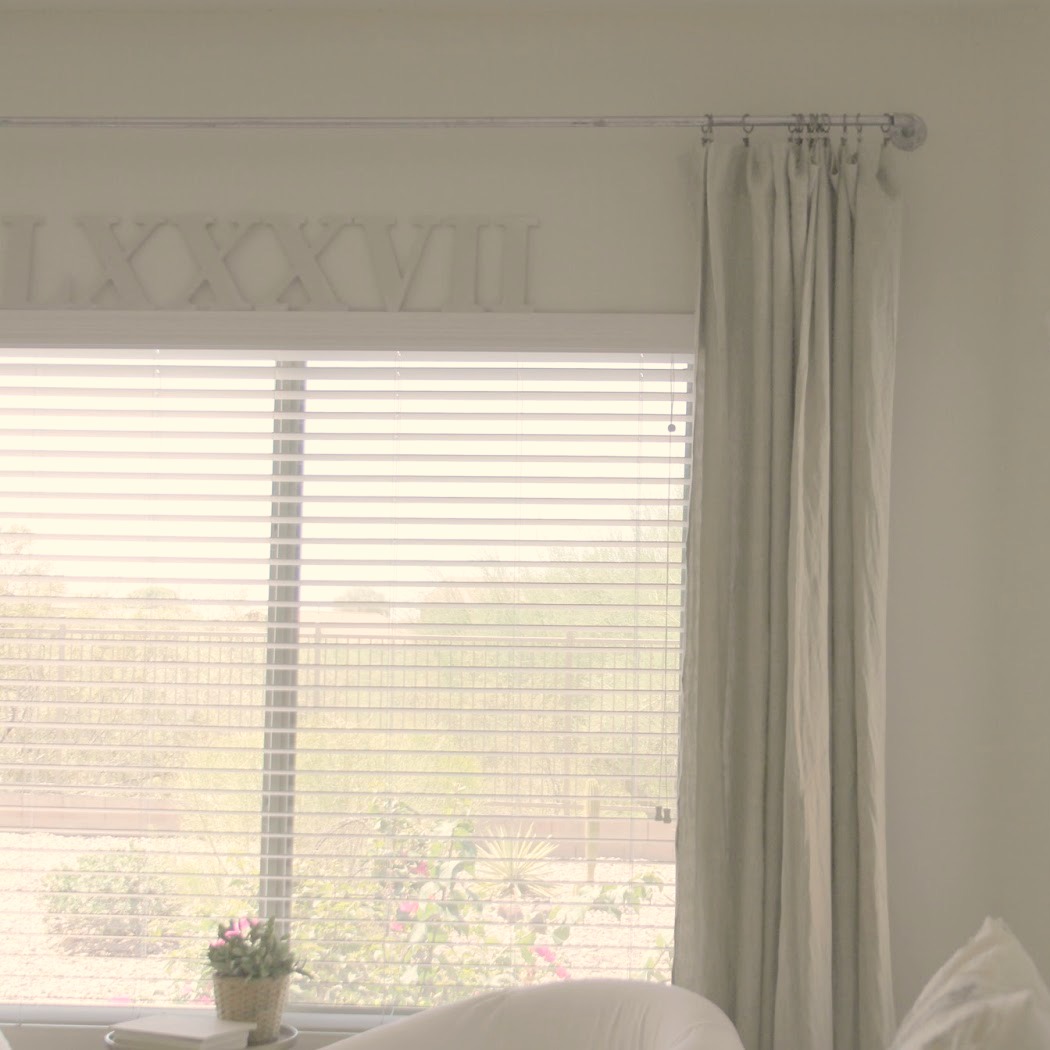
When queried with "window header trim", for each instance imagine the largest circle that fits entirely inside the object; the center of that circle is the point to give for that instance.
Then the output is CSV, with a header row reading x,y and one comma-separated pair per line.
x,y
366,330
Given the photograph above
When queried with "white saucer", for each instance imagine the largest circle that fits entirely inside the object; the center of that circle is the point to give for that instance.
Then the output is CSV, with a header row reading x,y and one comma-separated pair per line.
x,y
286,1038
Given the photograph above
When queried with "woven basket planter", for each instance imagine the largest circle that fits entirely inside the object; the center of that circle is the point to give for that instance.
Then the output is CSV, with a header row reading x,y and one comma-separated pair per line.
x,y
258,999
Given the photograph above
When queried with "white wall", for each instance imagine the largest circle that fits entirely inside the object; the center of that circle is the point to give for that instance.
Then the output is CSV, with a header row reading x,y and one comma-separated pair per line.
x,y
969,784
1019,847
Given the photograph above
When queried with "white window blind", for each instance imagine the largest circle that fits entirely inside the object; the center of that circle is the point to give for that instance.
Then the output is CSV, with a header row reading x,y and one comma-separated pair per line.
x,y
384,643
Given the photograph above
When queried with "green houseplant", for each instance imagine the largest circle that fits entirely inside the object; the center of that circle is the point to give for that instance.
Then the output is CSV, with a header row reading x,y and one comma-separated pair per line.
x,y
252,966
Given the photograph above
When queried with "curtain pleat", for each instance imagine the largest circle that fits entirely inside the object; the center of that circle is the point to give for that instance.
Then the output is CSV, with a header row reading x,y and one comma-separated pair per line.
x,y
782,916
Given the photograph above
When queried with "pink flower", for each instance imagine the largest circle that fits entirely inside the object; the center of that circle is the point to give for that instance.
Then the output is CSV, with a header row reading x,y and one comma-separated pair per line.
x,y
216,944
422,868
397,927
544,953
562,973
254,922
232,934
408,907
207,1000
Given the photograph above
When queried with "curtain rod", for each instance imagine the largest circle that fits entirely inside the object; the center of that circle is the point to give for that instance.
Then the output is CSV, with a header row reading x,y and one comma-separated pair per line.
x,y
904,130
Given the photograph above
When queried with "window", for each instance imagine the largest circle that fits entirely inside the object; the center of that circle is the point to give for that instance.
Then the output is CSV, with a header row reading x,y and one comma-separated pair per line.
x,y
382,641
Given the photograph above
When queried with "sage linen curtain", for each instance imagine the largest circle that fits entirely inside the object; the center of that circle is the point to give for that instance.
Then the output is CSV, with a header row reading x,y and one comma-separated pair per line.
x,y
782,916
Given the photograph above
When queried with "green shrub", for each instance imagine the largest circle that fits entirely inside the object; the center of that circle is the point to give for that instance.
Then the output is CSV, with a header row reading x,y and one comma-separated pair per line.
x,y
112,904
437,915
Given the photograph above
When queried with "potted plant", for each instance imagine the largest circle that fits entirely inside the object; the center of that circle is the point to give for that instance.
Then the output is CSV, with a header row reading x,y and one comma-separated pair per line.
x,y
252,967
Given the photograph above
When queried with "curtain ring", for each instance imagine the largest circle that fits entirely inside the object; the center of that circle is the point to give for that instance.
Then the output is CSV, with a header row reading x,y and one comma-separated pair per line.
x,y
747,129
824,130
860,130
816,134
886,130
814,131
707,136
845,130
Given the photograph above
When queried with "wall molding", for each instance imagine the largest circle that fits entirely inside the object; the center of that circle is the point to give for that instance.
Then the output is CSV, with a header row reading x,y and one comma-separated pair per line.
x,y
91,331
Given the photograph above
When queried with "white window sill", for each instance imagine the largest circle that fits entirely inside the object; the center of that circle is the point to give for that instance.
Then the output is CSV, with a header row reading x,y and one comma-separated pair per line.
x,y
315,1032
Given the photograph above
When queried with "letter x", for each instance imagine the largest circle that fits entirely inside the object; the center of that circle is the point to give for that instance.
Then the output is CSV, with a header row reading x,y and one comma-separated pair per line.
x,y
115,260
303,259
209,245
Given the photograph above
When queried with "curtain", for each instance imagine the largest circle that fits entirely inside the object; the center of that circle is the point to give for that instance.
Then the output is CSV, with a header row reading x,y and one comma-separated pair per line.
x,y
782,910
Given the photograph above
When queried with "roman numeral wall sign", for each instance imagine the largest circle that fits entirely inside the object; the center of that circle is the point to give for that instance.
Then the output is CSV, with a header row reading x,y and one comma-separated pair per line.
x,y
215,258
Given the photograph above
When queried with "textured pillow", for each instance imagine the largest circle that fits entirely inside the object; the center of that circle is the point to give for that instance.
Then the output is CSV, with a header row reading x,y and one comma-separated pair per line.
x,y
987,996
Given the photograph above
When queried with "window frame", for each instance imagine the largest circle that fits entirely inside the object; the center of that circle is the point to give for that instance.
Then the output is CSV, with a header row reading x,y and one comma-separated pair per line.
x,y
252,331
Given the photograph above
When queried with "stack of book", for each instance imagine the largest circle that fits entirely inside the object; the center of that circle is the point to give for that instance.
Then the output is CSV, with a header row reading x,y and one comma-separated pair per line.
x,y
202,1031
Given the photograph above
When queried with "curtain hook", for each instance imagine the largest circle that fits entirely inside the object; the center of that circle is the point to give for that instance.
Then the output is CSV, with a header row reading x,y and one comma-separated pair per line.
x,y
886,130
708,134
816,134
825,133
845,130
814,129
747,128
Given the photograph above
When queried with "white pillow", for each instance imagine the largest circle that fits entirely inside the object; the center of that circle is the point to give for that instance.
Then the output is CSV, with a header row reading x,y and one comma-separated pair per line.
x,y
987,996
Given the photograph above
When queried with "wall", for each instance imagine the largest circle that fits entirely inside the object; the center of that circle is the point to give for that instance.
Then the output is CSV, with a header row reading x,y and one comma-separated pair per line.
x,y
968,783
1019,848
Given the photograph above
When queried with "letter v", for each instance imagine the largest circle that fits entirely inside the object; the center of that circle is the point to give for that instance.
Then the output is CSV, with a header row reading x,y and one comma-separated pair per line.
x,y
393,282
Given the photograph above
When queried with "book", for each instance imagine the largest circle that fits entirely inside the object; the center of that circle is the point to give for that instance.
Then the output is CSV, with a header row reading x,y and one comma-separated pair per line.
x,y
189,1031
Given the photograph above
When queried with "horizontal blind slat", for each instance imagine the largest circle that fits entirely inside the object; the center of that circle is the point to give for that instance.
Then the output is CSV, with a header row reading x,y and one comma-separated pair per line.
x,y
521,548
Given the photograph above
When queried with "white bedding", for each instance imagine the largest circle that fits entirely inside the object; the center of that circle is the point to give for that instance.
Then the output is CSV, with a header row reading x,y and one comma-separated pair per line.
x,y
575,1015
987,996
